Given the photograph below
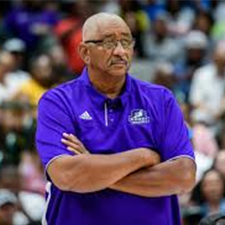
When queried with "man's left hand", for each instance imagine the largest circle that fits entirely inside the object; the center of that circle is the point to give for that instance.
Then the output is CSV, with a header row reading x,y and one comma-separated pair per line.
x,y
74,144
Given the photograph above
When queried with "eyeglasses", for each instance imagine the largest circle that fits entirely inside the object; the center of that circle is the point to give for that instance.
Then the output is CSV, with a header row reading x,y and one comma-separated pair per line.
x,y
112,44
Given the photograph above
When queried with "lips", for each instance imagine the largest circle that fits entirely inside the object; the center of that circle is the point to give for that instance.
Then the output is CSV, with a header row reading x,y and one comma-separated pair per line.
x,y
120,62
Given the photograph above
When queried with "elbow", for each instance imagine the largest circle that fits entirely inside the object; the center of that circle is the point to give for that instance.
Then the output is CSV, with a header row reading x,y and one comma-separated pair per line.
x,y
69,174
62,182
187,175
187,182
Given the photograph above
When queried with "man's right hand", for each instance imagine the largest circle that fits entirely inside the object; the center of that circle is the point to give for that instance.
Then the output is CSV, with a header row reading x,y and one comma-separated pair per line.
x,y
151,157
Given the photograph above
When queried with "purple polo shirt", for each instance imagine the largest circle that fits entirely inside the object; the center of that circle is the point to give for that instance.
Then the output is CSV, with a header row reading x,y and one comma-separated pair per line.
x,y
144,115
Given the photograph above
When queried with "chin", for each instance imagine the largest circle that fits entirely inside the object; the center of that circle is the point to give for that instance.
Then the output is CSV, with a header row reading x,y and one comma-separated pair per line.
x,y
119,71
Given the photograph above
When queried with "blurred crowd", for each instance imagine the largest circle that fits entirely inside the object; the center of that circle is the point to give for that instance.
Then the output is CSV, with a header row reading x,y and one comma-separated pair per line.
x,y
179,44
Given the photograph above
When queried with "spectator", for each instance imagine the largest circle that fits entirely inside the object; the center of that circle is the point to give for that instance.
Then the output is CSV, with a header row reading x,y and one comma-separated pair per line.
x,y
8,203
181,17
195,48
31,21
209,193
154,8
214,219
219,162
207,91
16,132
7,63
138,22
204,22
69,32
17,76
42,79
163,74
159,46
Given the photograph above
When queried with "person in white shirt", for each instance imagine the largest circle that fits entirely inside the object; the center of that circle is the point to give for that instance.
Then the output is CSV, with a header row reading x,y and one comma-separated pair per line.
x,y
207,95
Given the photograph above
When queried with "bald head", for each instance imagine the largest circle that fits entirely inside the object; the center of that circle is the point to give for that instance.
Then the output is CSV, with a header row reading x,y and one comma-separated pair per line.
x,y
92,24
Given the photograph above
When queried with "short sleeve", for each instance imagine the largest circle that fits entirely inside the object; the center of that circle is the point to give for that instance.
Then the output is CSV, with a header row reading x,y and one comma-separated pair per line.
x,y
175,141
53,120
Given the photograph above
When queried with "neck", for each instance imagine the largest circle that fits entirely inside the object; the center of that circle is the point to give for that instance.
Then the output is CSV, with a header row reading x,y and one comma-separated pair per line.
x,y
111,86
214,203
214,207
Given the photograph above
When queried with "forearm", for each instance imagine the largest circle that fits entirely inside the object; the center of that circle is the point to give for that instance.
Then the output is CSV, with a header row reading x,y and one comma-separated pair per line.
x,y
168,178
89,173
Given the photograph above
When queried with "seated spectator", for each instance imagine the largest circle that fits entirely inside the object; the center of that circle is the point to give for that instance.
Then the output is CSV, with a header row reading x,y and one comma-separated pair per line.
x,y
206,148
29,206
31,172
203,141
16,48
6,65
193,57
154,8
31,21
159,45
219,162
181,16
204,22
163,74
209,193
10,211
16,130
215,219
69,33
138,22
42,78
207,91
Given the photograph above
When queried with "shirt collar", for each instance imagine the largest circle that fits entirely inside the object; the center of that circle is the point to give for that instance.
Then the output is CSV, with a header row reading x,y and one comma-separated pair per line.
x,y
100,99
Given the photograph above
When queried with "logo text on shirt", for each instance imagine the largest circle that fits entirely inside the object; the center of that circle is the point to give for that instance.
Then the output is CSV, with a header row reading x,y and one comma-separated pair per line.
x,y
139,116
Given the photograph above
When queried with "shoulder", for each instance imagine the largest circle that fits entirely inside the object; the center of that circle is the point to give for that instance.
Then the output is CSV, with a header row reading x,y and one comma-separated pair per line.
x,y
205,72
65,92
151,91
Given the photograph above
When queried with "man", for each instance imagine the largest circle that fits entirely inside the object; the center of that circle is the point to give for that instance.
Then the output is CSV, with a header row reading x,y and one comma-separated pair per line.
x,y
127,125
8,207
206,99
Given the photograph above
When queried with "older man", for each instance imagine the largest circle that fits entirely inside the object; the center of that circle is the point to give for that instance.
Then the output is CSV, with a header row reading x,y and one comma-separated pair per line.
x,y
132,153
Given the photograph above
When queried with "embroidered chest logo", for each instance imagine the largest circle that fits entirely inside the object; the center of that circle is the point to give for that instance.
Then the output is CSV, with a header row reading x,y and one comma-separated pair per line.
x,y
139,116
85,116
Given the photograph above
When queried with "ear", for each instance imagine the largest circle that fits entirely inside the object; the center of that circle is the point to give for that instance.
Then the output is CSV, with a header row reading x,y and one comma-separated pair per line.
x,y
84,53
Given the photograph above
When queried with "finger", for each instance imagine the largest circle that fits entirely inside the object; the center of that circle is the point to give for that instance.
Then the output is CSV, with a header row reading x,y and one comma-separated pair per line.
x,y
75,140
74,151
71,138
72,145
74,148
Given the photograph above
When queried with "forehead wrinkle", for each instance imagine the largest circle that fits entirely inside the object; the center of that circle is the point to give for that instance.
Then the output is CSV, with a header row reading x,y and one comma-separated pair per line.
x,y
110,35
92,26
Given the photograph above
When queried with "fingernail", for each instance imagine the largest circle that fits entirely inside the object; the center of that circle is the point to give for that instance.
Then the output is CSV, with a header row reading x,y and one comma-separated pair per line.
x,y
65,134
63,140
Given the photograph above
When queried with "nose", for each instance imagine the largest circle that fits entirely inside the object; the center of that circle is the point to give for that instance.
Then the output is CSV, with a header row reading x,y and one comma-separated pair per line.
x,y
119,50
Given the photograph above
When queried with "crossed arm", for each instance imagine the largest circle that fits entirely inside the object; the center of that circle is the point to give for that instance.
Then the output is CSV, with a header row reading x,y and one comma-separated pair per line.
x,y
137,171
